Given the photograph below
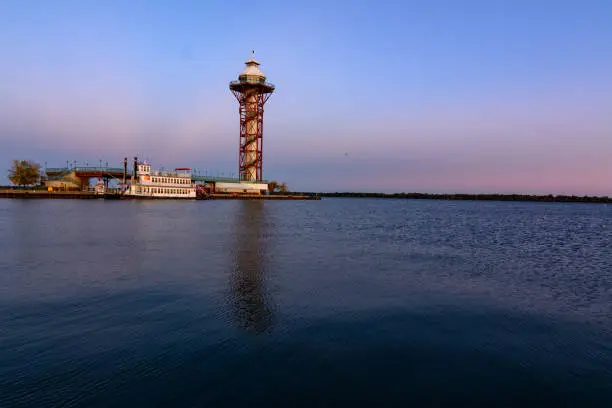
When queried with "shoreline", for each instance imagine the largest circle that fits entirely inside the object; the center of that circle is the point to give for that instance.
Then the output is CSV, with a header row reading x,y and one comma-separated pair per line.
x,y
470,197
86,195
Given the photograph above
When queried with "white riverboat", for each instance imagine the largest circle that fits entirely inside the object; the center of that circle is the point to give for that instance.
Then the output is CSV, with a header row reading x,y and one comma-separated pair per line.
x,y
145,183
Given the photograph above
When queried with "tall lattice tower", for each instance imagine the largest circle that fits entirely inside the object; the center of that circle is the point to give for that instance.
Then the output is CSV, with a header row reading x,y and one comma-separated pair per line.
x,y
252,91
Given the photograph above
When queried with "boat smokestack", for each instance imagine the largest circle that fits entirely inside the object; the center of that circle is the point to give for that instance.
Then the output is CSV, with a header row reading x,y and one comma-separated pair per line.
x,y
135,168
124,169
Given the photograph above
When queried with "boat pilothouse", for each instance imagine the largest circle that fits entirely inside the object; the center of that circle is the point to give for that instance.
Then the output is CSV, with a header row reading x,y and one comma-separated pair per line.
x,y
145,183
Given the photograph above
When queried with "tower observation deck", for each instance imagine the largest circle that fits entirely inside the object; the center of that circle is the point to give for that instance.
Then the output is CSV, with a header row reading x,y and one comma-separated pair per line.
x,y
252,92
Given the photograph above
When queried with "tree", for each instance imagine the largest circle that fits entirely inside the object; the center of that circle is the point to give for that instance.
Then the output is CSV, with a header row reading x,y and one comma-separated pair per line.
x,y
24,172
276,187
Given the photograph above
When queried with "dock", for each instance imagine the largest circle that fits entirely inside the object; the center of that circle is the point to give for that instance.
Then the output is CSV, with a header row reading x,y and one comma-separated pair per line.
x,y
17,193
90,195
262,197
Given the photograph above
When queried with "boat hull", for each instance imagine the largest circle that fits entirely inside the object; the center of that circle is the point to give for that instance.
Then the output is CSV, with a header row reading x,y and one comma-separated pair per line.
x,y
131,197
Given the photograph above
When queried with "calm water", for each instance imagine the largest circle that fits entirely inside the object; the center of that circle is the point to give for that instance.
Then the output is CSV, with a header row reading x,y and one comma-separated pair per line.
x,y
350,302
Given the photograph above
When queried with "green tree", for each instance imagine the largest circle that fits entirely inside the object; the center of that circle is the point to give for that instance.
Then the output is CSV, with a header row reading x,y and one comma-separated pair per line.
x,y
276,187
24,172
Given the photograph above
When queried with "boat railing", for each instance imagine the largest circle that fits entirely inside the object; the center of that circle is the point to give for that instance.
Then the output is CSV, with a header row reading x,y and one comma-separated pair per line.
x,y
158,173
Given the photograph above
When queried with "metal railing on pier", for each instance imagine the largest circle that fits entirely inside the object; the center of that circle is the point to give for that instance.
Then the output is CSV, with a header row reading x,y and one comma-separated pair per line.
x,y
88,169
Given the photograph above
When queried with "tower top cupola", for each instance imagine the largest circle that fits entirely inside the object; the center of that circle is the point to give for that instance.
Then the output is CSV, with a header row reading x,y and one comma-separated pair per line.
x,y
251,72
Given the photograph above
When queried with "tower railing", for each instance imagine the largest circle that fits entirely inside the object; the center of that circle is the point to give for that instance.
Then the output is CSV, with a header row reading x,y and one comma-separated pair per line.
x,y
254,81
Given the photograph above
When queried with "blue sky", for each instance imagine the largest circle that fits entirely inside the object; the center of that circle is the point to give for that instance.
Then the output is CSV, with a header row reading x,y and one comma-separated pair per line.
x,y
452,96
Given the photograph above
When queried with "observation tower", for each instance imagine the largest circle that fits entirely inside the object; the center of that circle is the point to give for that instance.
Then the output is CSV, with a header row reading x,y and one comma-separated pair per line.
x,y
252,91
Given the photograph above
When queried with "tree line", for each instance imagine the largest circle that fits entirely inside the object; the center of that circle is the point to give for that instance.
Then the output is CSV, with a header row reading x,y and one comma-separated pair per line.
x,y
480,197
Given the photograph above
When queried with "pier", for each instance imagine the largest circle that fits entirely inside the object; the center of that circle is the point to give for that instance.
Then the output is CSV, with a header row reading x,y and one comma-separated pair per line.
x,y
263,197
89,195
19,193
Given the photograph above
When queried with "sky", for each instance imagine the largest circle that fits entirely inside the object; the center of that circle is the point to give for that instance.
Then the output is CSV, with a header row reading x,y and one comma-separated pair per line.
x,y
480,96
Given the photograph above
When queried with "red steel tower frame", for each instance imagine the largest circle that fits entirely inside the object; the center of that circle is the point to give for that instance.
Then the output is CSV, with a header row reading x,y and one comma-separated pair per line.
x,y
252,92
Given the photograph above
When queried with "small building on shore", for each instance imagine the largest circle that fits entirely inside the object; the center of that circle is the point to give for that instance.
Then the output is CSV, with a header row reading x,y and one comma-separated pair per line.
x,y
65,182
242,187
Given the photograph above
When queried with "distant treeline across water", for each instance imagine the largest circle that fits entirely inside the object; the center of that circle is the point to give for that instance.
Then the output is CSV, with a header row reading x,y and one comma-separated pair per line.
x,y
484,197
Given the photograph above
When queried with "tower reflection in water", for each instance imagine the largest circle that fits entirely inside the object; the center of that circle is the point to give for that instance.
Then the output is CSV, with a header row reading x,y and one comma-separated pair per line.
x,y
251,304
